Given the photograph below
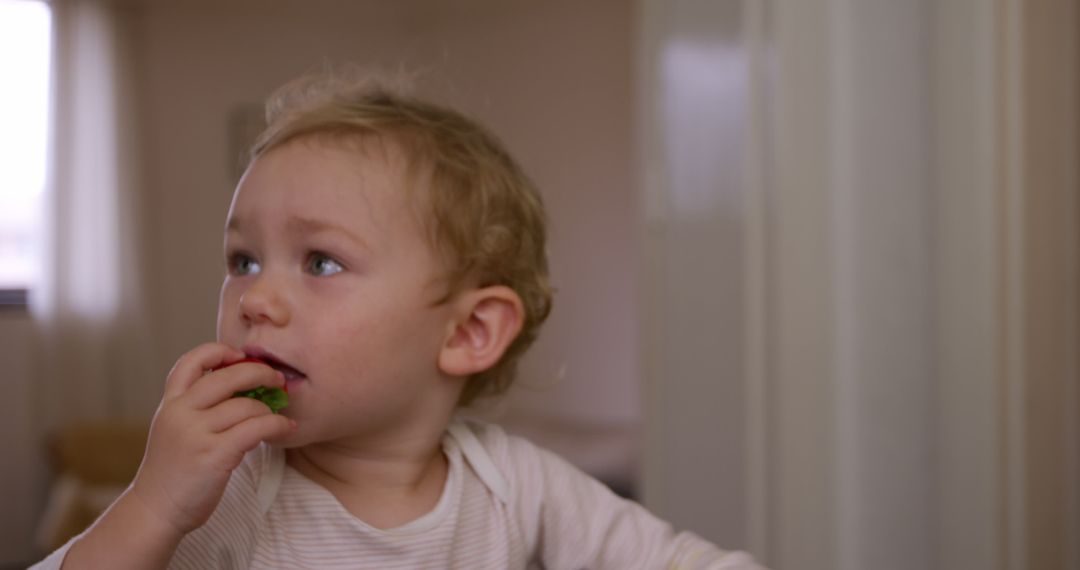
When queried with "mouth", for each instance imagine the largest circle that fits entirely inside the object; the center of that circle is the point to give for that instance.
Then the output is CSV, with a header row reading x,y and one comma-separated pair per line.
x,y
291,374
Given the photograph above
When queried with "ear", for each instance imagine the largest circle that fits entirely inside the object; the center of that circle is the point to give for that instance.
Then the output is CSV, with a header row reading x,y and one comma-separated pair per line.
x,y
485,322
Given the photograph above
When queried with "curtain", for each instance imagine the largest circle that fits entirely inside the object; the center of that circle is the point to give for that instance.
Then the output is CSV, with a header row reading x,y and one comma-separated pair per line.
x,y
94,353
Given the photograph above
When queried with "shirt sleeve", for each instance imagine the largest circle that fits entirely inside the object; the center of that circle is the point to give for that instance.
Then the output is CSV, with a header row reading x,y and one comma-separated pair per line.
x,y
577,522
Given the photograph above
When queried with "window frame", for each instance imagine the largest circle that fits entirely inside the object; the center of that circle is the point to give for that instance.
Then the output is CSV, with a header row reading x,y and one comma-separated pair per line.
x,y
14,299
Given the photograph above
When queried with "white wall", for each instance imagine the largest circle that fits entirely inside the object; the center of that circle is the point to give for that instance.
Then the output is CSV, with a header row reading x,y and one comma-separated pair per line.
x,y
693,65
908,211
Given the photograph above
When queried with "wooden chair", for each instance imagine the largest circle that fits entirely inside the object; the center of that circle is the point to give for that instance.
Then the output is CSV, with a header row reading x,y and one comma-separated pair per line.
x,y
93,463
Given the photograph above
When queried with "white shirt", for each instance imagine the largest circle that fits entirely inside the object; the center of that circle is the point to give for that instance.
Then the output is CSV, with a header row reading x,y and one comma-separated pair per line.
x,y
506,504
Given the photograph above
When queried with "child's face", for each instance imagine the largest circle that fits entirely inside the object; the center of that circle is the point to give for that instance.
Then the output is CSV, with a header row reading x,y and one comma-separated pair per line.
x,y
329,272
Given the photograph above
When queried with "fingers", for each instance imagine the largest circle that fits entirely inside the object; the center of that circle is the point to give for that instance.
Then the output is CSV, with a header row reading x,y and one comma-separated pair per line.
x,y
218,386
247,434
233,411
192,365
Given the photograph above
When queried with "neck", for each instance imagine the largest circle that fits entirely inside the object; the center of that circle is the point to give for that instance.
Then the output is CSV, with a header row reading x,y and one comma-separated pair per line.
x,y
400,464
385,483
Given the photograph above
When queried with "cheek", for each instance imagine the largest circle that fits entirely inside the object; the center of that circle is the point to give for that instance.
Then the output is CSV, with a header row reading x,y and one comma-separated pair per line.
x,y
384,343
227,310
354,343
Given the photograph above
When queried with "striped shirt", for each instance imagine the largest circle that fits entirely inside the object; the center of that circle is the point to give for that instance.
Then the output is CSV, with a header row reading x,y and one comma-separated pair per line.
x,y
506,504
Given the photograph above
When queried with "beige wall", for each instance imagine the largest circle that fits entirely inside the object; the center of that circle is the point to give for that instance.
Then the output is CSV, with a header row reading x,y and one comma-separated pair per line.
x,y
553,79
18,491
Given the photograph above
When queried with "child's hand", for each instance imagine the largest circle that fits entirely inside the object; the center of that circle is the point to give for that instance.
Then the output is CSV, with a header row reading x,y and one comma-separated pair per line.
x,y
200,433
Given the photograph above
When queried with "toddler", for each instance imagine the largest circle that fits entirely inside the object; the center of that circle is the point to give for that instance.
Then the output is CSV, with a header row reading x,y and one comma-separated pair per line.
x,y
385,264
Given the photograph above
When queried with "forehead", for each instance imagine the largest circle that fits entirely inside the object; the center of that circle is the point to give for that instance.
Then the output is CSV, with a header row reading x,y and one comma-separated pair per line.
x,y
339,180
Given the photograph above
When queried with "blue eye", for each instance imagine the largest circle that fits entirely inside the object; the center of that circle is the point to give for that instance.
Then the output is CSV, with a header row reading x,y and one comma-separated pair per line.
x,y
241,264
322,265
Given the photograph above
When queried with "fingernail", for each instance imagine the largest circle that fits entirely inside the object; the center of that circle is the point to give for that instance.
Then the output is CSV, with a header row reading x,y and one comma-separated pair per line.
x,y
292,424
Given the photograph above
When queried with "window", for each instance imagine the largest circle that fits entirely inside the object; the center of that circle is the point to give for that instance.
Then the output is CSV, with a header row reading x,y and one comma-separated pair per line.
x,y
25,41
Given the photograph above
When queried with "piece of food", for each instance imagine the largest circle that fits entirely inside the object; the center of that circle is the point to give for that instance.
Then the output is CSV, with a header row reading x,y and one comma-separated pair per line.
x,y
275,398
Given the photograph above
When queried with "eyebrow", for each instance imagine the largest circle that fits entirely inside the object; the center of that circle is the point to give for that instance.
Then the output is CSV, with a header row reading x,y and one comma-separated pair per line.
x,y
301,225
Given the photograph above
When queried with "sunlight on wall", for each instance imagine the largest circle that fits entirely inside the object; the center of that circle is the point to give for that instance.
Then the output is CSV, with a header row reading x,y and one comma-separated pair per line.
x,y
702,82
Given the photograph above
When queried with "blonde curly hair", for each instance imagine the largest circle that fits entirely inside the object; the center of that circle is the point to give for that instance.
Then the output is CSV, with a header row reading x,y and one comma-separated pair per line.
x,y
483,214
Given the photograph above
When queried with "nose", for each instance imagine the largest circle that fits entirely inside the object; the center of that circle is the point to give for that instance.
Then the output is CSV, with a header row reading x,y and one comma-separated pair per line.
x,y
264,303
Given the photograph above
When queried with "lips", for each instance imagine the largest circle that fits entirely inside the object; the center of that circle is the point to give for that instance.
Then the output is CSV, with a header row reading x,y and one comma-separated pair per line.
x,y
290,372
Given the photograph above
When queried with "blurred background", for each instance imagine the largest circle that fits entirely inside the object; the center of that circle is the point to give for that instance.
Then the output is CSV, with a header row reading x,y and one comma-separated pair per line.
x,y
816,260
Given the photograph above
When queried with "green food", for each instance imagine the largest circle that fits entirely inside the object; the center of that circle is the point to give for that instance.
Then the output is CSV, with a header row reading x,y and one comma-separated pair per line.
x,y
276,398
